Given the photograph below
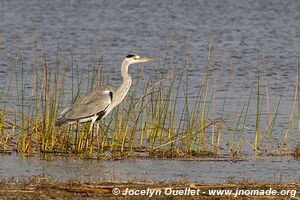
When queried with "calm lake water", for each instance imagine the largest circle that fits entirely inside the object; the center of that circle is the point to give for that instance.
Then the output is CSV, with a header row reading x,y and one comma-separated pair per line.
x,y
243,34
267,169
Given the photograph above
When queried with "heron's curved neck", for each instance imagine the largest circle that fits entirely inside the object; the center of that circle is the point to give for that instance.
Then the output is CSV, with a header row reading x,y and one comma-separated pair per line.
x,y
126,83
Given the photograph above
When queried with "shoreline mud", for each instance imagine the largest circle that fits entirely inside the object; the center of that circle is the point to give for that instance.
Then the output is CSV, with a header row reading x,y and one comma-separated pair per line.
x,y
44,188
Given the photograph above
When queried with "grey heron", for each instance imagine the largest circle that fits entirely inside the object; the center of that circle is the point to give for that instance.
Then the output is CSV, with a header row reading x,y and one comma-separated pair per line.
x,y
98,102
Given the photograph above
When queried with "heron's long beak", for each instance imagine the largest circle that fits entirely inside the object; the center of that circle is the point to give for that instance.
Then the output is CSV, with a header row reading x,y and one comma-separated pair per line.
x,y
145,59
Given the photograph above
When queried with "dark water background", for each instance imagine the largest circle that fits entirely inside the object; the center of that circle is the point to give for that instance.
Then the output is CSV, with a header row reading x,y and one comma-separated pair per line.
x,y
243,33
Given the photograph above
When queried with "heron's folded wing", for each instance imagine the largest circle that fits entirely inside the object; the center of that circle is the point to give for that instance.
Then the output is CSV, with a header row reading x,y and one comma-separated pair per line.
x,y
95,101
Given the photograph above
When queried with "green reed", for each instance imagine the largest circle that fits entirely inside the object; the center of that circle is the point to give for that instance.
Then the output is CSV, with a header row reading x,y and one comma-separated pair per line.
x,y
258,111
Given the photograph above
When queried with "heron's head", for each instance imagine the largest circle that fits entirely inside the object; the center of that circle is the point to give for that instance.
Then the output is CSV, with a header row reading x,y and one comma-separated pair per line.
x,y
133,58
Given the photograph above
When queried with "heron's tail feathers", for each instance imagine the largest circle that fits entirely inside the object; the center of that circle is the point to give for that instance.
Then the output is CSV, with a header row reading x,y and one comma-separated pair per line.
x,y
60,121
62,118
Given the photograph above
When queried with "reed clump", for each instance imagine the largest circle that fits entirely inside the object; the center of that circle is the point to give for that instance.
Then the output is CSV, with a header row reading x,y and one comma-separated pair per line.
x,y
296,152
158,118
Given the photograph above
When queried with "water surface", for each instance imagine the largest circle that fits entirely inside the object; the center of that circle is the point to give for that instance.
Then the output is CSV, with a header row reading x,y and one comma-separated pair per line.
x,y
268,169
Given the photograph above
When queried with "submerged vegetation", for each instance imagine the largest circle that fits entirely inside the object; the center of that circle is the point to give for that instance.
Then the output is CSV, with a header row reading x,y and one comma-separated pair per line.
x,y
148,122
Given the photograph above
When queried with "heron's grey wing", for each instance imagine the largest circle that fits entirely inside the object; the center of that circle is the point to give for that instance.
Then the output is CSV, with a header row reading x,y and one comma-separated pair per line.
x,y
94,102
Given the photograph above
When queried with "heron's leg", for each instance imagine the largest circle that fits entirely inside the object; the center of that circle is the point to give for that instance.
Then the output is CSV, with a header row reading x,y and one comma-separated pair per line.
x,y
91,126
90,131
76,133
97,133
